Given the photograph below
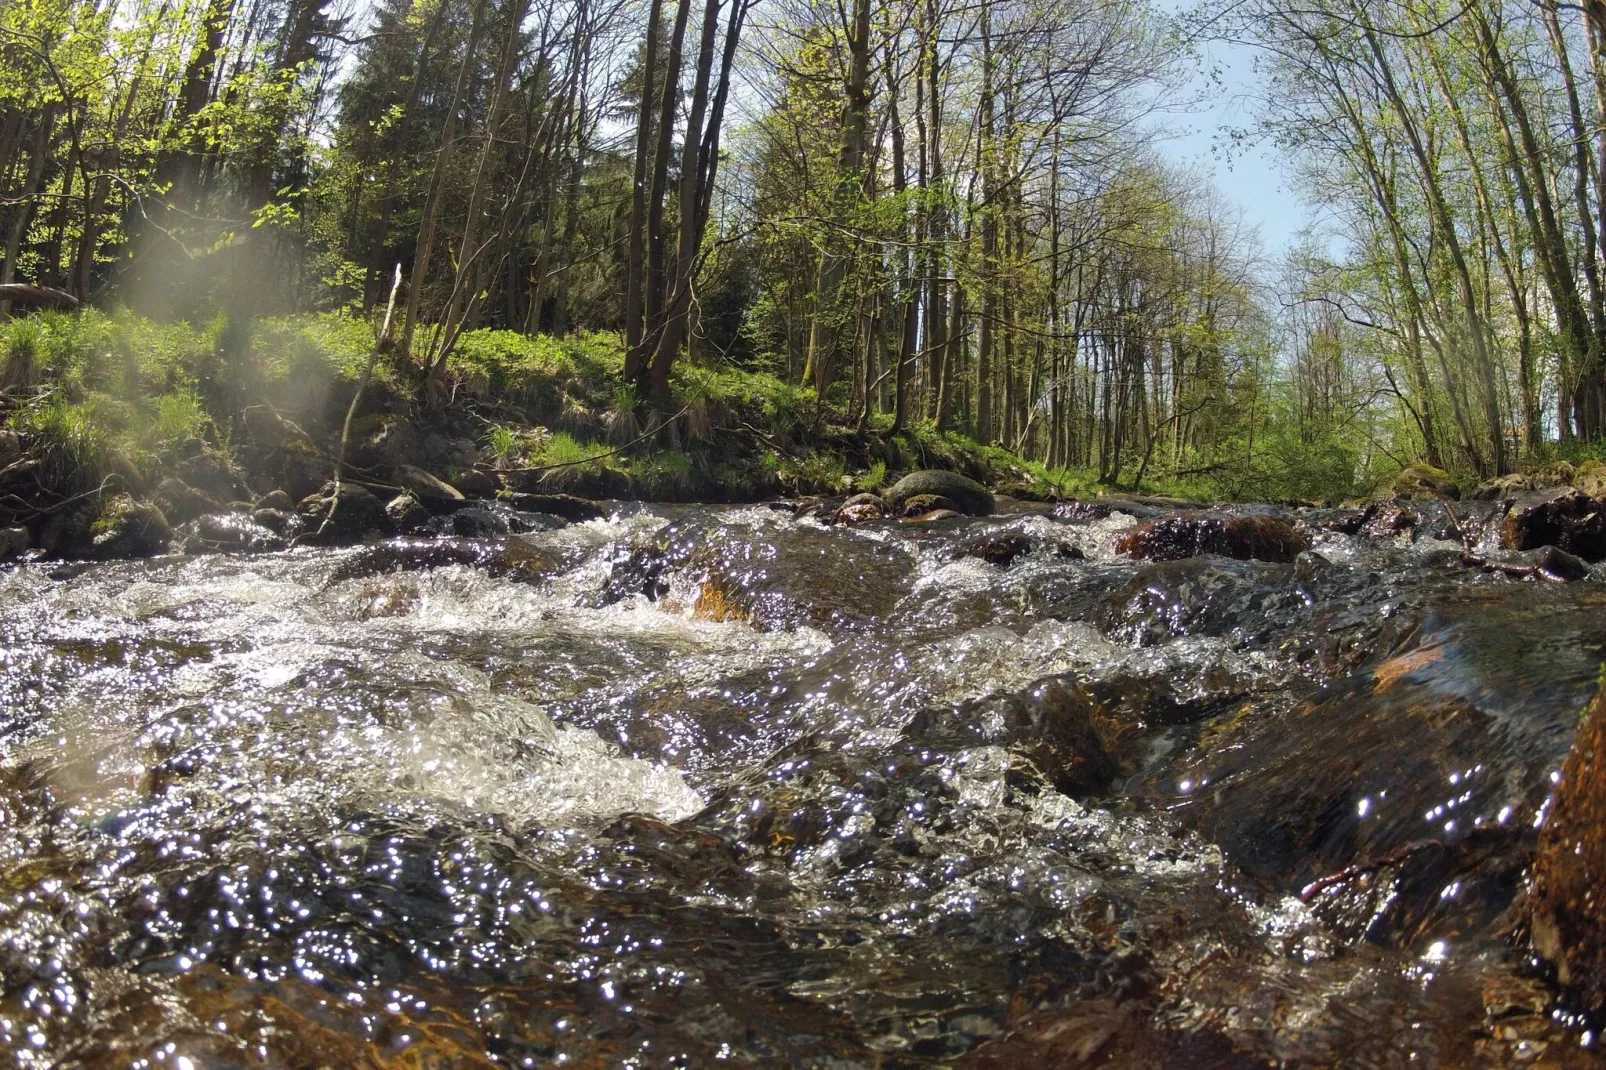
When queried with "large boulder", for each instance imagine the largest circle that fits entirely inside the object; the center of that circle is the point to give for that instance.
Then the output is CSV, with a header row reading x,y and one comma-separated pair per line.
x,y
1568,898
433,493
472,483
181,502
966,494
129,527
1567,519
349,517
1591,479
1183,535
1422,482
1503,487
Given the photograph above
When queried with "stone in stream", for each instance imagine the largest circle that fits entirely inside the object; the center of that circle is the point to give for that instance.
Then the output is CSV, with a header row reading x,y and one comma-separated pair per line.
x,y
965,494
859,509
472,483
1401,800
228,533
921,504
1183,535
432,493
276,499
181,502
568,506
1567,519
1567,901
129,527
352,517
1422,482
14,542
407,513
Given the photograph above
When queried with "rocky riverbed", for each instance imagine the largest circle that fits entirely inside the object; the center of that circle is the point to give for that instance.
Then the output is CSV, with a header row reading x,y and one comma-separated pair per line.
x,y
525,781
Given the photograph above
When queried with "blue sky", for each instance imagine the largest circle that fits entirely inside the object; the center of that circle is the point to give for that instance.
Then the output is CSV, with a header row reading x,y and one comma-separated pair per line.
x,y
1251,177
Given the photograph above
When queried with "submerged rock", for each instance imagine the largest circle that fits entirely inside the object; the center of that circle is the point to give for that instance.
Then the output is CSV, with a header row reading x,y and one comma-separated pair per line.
x,y
966,494
228,533
1567,519
1568,899
568,506
1401,800
1182,535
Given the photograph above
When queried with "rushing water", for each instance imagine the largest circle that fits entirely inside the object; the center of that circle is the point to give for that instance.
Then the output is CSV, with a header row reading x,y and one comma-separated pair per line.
x,y
699,786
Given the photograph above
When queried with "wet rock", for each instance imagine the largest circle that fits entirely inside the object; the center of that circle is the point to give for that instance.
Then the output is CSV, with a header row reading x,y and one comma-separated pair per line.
x,y
478,522
432,493
129,527
1559,566
1420,773
1421,482
1567,907
1182,535
1567,519
516,558
1379,520
567,506
181,502
966,494
1310,564
473,483
407,513
353,516
1192,596
934,516
276,499
921,504
859,509
14,542
1003,547
228,533
1083,510
278,521
1051,723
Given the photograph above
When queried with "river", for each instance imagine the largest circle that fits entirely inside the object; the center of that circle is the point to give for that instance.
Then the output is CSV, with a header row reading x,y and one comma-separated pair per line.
x,y
698,786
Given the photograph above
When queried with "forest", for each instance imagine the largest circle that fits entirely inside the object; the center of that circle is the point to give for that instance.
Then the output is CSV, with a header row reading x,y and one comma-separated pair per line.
x,y
926,217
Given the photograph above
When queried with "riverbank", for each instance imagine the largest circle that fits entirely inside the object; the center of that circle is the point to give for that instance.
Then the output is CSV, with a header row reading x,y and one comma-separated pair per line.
x,y
113,422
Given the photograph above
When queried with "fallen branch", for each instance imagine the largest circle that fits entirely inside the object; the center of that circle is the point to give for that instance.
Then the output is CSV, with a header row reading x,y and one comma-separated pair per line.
x,y
23,293
1361,869
380,345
